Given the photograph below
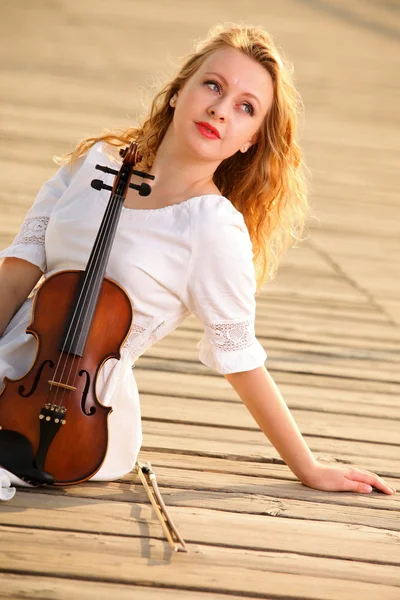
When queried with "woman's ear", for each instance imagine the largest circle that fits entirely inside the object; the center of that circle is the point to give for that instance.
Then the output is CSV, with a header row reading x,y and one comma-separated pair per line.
x,y
173,100
249,144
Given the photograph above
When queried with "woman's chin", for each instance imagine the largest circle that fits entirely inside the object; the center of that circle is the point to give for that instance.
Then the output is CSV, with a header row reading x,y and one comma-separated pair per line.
x,y
203,150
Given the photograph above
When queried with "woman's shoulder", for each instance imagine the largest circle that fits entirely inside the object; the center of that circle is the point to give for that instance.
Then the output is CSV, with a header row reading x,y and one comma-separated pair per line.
x,y
213,212
103,151
218,226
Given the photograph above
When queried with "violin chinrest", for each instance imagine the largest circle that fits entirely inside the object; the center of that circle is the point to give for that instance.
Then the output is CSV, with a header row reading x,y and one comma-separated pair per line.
x,y
16,455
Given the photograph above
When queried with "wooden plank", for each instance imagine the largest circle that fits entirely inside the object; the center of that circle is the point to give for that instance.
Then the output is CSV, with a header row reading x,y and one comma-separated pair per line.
x,y
183,343
352,382
220,466
335,383
188,336
269,503
201,526
253,445
54,588
271,298
307,334
233,493
281,491
307,309
294,322
236,416
229,486
266,470
271,321
206,568
318,362
297,396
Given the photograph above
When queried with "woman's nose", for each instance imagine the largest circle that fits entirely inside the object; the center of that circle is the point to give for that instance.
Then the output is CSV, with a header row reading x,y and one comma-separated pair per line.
x,y
217,113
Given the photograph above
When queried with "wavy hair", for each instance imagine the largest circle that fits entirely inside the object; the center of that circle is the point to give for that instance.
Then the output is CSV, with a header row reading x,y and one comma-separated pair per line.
x,y
267,183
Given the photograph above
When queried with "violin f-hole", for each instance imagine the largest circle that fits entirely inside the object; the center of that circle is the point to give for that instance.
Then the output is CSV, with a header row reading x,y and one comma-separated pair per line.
x,y
21,388
92,409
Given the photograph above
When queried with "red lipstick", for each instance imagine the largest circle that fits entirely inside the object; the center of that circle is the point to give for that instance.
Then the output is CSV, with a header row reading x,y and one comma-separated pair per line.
x,y
208,130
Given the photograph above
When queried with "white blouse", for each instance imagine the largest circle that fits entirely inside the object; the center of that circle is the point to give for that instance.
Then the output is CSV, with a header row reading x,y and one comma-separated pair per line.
x,y
191,257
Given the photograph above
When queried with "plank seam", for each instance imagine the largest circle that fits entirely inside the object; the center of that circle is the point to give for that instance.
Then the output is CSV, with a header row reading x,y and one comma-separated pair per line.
x,y
343,275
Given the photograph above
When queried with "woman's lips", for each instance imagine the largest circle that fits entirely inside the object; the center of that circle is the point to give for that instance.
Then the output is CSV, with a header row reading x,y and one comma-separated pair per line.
x,y
206,132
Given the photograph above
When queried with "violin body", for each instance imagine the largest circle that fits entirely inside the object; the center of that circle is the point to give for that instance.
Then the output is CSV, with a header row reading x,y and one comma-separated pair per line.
x,y
54,405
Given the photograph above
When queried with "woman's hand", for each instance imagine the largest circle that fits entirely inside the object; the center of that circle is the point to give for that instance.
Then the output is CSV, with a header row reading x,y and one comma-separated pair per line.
x,y
345,479
17,279
260,394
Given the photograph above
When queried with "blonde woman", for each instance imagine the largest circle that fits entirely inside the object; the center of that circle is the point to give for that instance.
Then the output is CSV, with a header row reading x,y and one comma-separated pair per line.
x,y
227,200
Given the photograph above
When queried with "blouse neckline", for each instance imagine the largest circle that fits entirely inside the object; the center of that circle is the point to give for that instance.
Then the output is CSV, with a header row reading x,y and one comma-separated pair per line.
x,y
169,207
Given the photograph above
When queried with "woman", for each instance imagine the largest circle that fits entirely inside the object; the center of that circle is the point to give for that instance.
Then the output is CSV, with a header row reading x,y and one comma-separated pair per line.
x,y
227,199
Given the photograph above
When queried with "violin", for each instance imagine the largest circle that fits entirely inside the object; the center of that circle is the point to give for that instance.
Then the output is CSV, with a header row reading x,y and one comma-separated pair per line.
x,y
53,429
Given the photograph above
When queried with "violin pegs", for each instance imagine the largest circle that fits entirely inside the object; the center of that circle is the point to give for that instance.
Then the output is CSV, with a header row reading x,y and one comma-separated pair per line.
x,y
106,170
134,172
97,184
144,189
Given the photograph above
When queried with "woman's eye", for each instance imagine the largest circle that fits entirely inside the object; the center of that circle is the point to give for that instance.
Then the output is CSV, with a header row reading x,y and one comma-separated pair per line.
x,y
251,109
210,83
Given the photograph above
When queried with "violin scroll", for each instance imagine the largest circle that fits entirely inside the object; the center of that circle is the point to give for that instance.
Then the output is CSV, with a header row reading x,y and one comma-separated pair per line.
x,y
131,154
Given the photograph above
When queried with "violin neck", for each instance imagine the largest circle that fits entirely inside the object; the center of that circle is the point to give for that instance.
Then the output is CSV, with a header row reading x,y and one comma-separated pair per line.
x,y
85,302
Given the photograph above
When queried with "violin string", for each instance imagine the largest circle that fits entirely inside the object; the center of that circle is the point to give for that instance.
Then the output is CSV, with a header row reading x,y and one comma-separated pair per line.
x,y
106,217
62,355
116,198
110,219
95,260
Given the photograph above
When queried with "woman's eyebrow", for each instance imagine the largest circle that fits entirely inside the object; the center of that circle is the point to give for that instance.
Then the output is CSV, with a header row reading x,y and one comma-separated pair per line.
x,y
226,83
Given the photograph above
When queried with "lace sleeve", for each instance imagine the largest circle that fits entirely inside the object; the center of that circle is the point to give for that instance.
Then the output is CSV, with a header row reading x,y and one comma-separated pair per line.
x,y
29,244
230,337
32,231
231,347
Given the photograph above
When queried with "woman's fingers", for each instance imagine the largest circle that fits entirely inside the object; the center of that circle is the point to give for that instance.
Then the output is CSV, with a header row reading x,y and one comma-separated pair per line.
x,y
364,481
346,479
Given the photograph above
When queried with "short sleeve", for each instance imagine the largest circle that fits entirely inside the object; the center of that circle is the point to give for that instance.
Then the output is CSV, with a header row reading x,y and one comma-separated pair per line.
x,y
221,288
29,242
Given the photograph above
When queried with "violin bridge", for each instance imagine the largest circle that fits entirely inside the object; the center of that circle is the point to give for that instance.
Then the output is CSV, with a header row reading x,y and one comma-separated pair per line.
x,y
62,385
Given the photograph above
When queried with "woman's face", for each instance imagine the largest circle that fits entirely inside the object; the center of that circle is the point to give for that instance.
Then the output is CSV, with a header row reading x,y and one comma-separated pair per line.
x,y
230,92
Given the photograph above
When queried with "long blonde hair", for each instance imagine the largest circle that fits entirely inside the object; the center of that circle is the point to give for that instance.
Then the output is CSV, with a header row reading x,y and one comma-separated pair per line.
x,y
267,183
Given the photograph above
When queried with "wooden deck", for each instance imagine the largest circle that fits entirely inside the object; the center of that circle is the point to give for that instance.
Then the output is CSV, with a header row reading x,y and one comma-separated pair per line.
x,y
330,322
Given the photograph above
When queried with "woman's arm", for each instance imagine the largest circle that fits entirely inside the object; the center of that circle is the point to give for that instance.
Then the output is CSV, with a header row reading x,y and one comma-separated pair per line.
x,y
261,396
17,279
